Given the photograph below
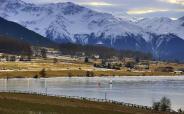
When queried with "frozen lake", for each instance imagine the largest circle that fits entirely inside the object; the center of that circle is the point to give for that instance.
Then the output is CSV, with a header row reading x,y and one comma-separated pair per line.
x,y
137,90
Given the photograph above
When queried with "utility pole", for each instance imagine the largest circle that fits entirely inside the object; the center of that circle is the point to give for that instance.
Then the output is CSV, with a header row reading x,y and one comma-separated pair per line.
x,y
105,96
5,84
45,86
28,85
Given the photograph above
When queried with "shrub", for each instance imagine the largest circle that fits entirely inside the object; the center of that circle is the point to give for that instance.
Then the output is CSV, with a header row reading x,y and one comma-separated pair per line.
x,y
89,74
156,106
42,73
55,60
130,65
69,74
36,76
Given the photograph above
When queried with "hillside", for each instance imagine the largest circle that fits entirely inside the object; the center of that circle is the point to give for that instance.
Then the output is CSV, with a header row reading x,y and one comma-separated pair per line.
x,y
19,32
36,104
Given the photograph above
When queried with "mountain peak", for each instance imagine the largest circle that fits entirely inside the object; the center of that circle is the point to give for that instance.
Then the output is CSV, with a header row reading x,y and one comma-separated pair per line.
x,y
181,18
69,3
12,1
11,4
71,8
67,8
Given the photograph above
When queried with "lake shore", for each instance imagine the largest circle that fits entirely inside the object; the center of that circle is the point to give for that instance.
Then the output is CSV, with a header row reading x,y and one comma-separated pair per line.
x,y
14,103
32,69
77,73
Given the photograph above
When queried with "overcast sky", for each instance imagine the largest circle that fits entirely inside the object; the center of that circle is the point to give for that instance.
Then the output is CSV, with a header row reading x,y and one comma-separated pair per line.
x,y
134,8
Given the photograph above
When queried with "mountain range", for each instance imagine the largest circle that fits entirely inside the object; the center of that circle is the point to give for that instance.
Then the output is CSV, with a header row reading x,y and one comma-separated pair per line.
x,y
68,22
18,32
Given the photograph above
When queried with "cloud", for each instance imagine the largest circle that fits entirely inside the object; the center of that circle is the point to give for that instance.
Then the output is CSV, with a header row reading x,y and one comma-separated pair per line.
x,y
137,8
96,4
152,10
145,11
173,18
180,2
178,10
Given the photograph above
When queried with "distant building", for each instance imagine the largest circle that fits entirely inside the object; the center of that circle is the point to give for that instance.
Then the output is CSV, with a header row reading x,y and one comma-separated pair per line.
x,y
142,66
126,59
36,52
54,53
96,56
1,54
178,72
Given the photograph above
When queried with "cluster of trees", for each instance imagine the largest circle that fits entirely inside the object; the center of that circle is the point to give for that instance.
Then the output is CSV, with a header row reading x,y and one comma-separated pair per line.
x,y
165,69
103,52
130,65
109,65
39,52
19,47
15,58
163,105
13,46
89,50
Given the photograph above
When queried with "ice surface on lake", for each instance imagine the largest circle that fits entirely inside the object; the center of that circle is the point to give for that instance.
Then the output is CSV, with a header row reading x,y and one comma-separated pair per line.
x,y
139,90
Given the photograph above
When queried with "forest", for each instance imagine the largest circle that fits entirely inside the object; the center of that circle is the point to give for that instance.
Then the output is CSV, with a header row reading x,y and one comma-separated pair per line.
x,y
14,46
103,52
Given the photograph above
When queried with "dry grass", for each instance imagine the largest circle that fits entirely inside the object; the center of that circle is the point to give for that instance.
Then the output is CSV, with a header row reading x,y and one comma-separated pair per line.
x,y
40,65
70,68
76,73
34,104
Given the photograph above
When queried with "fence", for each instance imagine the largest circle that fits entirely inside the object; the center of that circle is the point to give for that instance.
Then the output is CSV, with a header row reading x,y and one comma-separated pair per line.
x,y
84,98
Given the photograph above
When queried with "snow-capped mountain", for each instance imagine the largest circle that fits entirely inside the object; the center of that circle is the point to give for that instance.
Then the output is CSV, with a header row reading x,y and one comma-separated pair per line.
x,y
181,21
163,25
65,20
68,22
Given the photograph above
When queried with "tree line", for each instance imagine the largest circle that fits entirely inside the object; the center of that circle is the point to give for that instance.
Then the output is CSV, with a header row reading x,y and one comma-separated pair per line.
x,y
103,52
13,46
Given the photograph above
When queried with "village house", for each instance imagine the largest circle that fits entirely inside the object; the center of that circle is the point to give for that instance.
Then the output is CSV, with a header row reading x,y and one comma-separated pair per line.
x,y
142,66
178,72
53,53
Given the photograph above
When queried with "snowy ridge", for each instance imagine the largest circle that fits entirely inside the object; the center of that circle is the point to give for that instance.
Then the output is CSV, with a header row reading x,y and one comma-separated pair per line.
x,y
163,26
64,20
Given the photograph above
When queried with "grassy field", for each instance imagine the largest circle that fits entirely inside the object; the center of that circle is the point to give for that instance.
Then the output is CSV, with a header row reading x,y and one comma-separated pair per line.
x,y
70,68
76,73
34,104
